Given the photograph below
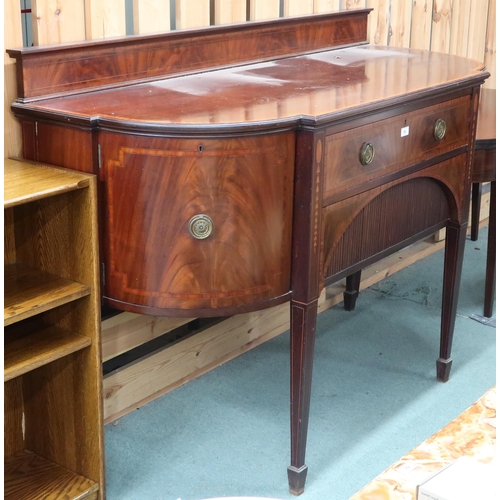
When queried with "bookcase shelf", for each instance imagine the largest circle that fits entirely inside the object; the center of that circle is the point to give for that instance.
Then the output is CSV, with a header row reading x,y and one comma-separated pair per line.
x,y
37,349
31,477
30,291
53,431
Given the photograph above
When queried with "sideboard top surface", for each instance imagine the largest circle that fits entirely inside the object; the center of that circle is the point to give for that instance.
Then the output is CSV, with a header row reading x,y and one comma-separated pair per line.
x,y
331,82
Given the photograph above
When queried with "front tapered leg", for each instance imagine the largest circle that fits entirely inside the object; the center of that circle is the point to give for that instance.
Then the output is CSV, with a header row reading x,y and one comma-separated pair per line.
x,y
302,335
453,258
351,293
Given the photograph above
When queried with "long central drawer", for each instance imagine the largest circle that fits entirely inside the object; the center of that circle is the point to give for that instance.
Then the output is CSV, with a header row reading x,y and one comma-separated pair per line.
x,y
362,154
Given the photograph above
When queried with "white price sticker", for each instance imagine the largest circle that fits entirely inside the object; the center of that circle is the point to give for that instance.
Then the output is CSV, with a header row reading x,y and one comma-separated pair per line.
x,y
405,131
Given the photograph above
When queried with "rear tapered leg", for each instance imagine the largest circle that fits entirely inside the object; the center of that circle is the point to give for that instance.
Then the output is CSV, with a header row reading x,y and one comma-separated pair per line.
x,y
489,288
351,293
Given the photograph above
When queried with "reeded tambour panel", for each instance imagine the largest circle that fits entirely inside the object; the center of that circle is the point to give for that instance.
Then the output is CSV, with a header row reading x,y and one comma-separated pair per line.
x,y
162,194
365,225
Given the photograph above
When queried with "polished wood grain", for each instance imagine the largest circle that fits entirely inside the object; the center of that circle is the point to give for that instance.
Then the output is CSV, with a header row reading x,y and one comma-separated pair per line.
x,y
76,67
78,156
25,182
244,98
243,185
29,291
31,477
30,352
393,152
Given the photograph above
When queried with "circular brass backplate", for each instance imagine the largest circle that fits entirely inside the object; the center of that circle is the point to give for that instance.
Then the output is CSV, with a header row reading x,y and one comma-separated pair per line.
x,y
367,153
439,129
200,226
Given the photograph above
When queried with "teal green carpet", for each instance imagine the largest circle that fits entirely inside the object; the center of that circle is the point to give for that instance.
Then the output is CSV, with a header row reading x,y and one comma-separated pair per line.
x,y
374,398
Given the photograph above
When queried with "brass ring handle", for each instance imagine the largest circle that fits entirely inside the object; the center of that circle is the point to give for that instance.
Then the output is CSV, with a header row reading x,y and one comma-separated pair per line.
x,y
367,153
200,226
439,129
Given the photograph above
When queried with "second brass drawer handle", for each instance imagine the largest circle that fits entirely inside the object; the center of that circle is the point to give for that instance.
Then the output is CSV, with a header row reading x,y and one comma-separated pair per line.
x,y
200,226
367,153
439,129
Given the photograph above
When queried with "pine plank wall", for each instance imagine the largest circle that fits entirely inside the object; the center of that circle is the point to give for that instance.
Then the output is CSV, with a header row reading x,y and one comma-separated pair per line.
x,y
462,27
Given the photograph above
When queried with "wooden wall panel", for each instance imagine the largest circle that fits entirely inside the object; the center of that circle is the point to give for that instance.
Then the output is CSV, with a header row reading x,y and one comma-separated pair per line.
x,y
13,37
192,13
400,24
460,27
378,21
326,5
478,22
490,50
57,21
151,16
353,4
230,11
298,7
421,24
104,18
264,9
441,25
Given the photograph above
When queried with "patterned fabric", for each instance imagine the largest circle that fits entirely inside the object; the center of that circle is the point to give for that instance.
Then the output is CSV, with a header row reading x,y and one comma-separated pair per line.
x,y
472,434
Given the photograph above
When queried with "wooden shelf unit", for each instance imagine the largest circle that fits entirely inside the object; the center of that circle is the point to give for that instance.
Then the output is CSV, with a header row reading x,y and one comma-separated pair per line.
x,y
53,419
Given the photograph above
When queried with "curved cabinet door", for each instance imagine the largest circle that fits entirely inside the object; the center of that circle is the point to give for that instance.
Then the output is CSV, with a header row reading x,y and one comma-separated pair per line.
x,y
234,257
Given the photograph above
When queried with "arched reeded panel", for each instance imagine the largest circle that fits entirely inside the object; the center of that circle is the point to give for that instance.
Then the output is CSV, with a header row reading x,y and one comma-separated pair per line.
x,y
390,218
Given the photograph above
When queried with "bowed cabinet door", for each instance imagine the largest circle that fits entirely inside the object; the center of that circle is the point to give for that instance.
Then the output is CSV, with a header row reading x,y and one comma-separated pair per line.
x,y
196,224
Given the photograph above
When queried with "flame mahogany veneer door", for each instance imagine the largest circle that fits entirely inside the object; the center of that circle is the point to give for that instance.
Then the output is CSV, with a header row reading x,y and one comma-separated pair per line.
x,y
155,186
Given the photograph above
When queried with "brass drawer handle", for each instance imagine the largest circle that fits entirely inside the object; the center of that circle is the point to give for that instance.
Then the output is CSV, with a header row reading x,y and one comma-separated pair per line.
x,y
200,226
439,129
367,153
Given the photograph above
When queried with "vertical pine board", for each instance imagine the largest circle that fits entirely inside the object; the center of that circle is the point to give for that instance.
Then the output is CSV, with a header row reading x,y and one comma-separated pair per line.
x,y
477,31
378,21
104,18
421,24
298,7
151,16
264,9
460,27
57,21
326,5
230,11
491,46
441,26
353,4
192,13
13,38
400,23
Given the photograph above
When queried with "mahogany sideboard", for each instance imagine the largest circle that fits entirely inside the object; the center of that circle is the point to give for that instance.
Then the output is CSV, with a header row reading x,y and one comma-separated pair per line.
x,y
247,165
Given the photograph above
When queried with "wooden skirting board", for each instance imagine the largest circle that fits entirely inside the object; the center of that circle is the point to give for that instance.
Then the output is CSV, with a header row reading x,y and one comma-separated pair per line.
x,y
155,374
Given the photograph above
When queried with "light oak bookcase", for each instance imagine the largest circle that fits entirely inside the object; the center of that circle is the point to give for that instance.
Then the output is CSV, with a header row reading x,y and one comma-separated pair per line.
x,y
53,426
